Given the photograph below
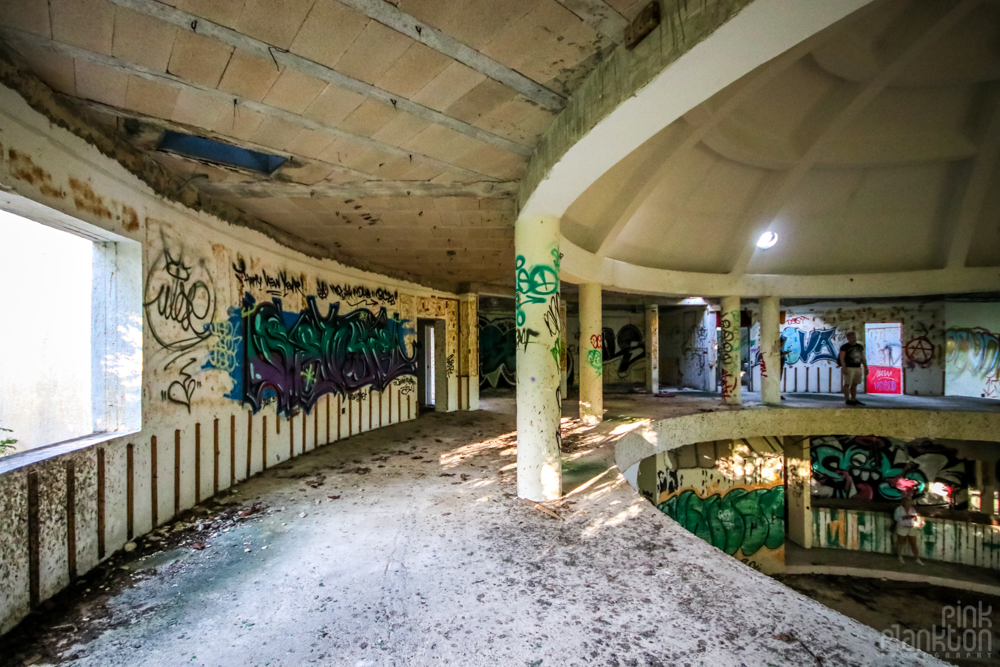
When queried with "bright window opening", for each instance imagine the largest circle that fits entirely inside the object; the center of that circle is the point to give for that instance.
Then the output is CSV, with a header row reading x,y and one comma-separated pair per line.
x,y
72,343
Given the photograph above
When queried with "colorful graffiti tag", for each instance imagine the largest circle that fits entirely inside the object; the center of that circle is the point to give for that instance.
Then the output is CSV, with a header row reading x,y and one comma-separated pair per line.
x,y
876,468
808,346
975,351
536,284
299,357
497,351
741,520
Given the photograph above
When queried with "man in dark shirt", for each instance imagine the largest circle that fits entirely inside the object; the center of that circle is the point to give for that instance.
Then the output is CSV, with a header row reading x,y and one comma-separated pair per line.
x,y
852,360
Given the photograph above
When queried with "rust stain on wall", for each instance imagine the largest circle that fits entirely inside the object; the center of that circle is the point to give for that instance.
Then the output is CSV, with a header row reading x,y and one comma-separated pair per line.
x,y
85,199
130,219
23,168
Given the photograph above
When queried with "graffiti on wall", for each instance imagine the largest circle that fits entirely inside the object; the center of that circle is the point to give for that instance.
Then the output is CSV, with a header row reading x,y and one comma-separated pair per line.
x,y
497,351
535,284
739,520
974,353
179,302
808,347
627,348
882,469
279,284
729,352
302,356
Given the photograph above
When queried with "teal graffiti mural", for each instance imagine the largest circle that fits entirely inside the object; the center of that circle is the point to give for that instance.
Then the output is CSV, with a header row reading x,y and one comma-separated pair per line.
x,y
739,520
535,284
497,352
298,357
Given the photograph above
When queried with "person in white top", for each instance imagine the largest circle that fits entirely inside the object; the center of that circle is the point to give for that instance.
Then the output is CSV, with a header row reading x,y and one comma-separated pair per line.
x,y
908,525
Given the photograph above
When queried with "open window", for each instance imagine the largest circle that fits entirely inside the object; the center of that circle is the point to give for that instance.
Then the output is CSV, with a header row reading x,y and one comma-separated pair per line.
x,y
72,331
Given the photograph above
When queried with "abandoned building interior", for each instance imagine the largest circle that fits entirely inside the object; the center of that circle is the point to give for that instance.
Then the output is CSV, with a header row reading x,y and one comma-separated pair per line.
x,y
499,332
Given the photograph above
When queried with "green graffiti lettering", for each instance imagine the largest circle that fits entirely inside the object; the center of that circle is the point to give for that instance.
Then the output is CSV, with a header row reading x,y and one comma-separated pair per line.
x,y
739,520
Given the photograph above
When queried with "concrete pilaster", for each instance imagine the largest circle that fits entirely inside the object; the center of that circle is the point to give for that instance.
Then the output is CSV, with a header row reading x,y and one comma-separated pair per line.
x,y
591,354
653,349
468,352
770,350
729,350
539,331
798,490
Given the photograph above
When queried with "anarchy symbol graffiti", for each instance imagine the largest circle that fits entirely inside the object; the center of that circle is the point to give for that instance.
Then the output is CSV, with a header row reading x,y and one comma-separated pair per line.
x,y
920,351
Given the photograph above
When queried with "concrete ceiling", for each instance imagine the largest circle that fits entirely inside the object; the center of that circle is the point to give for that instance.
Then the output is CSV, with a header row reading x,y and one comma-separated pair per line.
x,y
871,147
406,125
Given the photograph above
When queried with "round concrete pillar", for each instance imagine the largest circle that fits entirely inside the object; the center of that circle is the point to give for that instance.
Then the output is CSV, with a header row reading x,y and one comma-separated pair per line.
x,y
591,354
539,401
729,350
770,351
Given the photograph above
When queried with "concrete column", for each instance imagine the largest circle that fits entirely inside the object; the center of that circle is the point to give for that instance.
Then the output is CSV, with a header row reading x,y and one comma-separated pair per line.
x,y
539,401
729,350
563,366
591,354
798,490
468,352
442,395
653,349
770,350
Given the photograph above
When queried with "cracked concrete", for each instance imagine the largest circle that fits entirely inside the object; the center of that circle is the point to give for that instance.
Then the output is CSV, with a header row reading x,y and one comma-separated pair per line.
x,y
407,546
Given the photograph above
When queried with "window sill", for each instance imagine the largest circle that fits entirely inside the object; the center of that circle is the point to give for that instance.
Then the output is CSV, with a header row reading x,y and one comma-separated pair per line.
x,y
32,456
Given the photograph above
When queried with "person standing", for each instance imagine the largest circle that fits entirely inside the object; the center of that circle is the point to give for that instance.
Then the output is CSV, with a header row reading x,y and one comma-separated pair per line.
x,y
908,525
851,360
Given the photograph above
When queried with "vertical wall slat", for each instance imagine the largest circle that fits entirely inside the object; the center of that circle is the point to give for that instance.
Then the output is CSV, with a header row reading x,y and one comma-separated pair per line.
x,y
101,516
71,518
291,436
130,491
177,472
34,541
215,456
328,419
263,446
232,450
153,485
250,441
197,463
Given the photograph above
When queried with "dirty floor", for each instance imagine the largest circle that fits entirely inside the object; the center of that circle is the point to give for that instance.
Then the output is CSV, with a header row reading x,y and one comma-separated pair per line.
x,y
408,546
899,606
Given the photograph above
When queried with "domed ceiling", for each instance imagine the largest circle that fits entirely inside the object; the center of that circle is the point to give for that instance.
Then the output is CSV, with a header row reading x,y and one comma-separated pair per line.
x,y
871,147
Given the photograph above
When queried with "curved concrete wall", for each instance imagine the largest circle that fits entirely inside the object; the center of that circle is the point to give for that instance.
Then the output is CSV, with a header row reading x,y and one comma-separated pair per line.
x,y
667,434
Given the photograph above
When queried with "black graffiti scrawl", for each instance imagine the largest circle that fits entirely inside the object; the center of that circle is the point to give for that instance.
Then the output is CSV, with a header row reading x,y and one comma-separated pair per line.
x,y
299,357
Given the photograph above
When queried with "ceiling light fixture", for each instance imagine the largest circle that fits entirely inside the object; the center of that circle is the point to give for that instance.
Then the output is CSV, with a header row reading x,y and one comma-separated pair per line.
x,y
767,240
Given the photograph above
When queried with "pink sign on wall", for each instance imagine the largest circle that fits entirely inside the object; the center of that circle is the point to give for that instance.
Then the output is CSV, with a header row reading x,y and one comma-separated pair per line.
x,y
884,380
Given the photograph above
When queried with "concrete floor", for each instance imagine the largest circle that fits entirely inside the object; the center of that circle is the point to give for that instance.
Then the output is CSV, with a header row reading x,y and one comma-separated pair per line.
x,y
408,546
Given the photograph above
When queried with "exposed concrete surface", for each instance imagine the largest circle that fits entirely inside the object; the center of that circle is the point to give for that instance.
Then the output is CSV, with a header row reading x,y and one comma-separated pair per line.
x,y
906,607
431,560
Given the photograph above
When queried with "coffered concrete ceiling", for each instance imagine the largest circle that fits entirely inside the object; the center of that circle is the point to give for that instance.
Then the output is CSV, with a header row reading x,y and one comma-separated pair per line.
x,y
406,124
871,147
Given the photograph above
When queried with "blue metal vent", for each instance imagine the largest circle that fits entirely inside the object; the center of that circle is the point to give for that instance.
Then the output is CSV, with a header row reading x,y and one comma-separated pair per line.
x,y
218,152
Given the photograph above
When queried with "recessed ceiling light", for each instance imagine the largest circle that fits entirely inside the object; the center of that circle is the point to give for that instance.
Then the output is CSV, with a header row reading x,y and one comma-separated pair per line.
x,y
767,240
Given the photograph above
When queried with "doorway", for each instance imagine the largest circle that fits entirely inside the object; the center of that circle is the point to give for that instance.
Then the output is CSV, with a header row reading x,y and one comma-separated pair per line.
x,y
884,354
432,378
